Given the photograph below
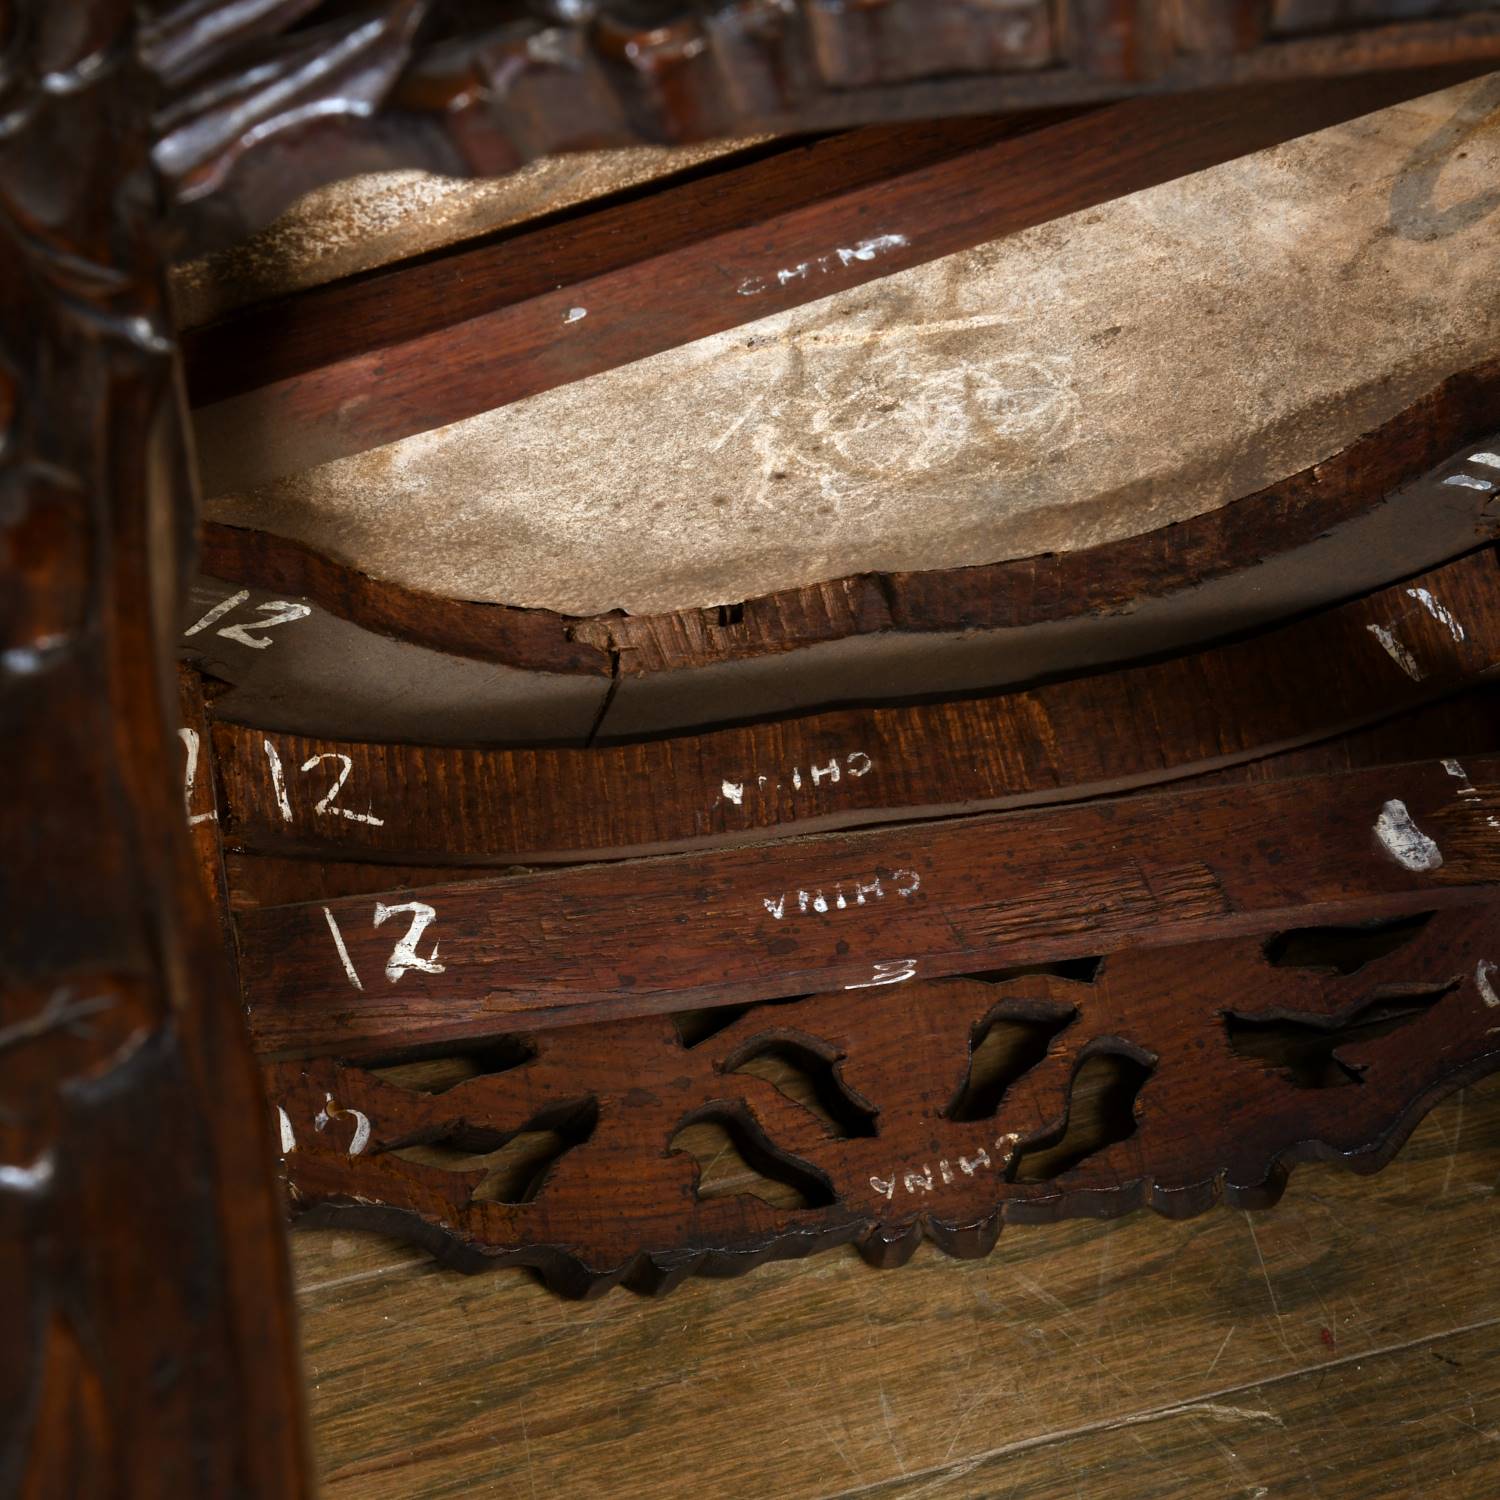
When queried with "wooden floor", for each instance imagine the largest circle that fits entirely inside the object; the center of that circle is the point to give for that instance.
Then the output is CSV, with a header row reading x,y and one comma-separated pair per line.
x,y
1343,1344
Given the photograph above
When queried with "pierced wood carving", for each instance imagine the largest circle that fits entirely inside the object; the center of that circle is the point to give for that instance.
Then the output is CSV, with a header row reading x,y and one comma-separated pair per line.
x,y
1172,1078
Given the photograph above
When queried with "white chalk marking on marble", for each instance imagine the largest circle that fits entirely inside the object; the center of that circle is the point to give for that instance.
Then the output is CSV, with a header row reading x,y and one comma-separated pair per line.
x,y
1489,460
1438,610
288,1135
1469,482
1404,841
278,780
338,942
219,610
573,314
1396,650
1482,971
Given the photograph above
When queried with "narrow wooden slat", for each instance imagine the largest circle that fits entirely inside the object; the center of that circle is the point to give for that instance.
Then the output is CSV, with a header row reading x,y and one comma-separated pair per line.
x,y
363,974
529,332
1362,662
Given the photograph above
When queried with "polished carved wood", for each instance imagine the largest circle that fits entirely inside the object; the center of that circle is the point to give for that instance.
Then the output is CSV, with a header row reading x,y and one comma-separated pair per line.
x,y
269,100
148,1344
1169,1077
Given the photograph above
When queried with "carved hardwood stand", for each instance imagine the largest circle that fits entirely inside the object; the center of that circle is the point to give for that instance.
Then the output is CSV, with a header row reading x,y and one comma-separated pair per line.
x,y
1140,937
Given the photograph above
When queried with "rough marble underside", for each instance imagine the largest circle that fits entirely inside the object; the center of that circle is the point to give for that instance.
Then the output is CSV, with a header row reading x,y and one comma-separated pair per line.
x,y
1093,378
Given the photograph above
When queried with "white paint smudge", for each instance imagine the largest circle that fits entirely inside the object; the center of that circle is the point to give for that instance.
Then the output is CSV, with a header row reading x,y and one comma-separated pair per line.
x,y
191,744
218,612
338,942
278,783
1455,770
32,1179
575,313
1438,610
734,791
1396,650
1482,972
288,1135
1469,482
821,265
1489,460
331,1111
1404,841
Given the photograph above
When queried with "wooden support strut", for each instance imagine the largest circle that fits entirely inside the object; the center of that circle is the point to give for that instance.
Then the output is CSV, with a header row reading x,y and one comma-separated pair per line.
x,y
1078,738
510,323
364,975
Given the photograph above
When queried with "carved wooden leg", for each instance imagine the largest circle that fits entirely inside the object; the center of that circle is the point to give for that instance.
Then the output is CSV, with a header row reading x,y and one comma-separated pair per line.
x,y
148,1343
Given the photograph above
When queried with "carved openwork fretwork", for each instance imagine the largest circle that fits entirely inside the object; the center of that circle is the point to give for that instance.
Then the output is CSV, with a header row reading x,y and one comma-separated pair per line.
x,y
1170,1078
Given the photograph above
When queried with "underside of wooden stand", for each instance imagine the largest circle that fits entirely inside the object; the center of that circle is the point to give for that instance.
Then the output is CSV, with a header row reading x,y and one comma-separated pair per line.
x,y
897,905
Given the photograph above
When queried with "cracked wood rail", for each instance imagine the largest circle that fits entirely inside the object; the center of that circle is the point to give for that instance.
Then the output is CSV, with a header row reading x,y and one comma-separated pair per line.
x,y
369,974
1365,661
1406,496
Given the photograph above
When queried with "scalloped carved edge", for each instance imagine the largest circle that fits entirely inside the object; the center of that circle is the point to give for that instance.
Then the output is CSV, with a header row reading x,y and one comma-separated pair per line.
x,y
332,94
1181,1176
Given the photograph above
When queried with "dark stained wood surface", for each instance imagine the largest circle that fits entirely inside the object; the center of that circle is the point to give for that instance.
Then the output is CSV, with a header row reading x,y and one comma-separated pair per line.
x,y
1311,680
1340,1345
1174,1078
298,93
516,330
147,1338
358,975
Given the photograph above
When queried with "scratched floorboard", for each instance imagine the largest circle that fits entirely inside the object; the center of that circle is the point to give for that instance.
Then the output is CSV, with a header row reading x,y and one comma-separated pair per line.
x,y
1359,1316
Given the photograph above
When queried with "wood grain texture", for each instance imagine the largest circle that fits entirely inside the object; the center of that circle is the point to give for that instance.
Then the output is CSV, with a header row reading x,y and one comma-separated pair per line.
x,y
1227,1064
817,914
1067,740
1126,1358
148,1336
505,344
